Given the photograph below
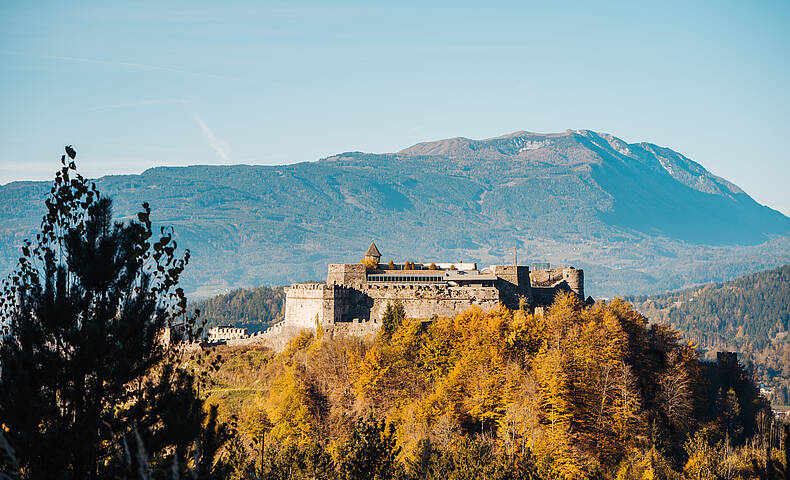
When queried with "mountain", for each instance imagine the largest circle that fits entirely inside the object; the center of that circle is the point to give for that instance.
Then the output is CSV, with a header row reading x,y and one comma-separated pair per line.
x,y
638,218
750,315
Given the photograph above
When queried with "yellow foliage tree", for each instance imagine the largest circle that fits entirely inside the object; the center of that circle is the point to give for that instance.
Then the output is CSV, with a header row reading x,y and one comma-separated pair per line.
x,y
527,336
369,263
588,392
288,408
705,461
554,384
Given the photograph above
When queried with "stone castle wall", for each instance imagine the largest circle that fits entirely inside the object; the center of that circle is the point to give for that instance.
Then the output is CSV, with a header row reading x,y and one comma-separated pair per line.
x,y
424,301
348,305
358,307
345,310
545,284
352,309
357,328
349,274
307,303
513,283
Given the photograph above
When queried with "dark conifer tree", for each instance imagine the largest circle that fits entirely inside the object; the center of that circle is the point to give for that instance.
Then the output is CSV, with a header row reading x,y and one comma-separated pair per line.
x,y
88,387
393,316
371,452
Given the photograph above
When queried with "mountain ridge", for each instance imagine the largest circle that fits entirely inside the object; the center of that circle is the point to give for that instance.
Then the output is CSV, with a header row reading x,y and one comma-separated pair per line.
x,y
522,140
636,224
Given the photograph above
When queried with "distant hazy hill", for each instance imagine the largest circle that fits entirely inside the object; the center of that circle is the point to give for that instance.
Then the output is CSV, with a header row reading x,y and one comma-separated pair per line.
x,y
752,309
750,315
639,218
255,309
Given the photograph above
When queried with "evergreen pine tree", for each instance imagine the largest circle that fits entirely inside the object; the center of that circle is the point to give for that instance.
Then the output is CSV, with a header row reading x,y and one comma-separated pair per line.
x,y
371,453
88,387
393,316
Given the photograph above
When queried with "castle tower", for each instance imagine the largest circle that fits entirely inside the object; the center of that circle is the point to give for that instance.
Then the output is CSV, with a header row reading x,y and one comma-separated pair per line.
x,y
513,282
575,279
372,255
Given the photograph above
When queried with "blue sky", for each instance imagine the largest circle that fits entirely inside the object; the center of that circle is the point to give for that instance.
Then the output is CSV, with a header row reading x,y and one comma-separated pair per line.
x,y
138,84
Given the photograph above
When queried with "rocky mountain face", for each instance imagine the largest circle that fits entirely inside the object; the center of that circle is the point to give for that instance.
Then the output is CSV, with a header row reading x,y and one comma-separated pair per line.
x,y
638,217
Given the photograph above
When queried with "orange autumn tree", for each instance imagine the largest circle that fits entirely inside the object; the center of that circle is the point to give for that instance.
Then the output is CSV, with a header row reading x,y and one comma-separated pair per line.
x,y
588,391
561,384
576,391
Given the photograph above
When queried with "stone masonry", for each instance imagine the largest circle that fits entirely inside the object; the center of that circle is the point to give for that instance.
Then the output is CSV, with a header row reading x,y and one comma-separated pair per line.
x,y
355,296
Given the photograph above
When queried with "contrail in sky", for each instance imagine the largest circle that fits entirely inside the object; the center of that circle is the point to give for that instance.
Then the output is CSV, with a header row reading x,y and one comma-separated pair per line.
x,y
220,146
112,63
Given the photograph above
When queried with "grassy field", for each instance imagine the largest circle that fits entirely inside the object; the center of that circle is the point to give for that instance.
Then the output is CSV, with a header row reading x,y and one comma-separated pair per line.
x,y
234,378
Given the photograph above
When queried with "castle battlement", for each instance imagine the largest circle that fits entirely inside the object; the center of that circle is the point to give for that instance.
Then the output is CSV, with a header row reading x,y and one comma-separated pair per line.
x,y
307,286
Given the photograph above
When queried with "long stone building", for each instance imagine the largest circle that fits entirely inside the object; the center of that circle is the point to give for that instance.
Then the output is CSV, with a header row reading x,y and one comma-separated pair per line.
x,y
355,295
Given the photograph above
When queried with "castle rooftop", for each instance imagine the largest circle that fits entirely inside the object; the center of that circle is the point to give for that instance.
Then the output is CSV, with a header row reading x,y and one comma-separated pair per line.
x,y
373,251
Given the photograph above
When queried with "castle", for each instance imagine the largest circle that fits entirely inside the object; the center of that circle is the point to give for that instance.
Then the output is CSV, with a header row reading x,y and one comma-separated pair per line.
x,y
355,295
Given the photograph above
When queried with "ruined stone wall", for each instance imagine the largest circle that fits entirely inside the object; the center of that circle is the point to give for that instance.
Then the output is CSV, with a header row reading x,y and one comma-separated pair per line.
x,y
424,301
547,283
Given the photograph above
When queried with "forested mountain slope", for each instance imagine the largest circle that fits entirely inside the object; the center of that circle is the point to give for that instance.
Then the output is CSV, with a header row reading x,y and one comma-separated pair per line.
x,y
749,315
255,309
637,217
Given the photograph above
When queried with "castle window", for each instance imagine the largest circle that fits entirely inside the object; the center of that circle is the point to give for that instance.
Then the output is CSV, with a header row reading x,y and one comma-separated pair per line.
x,y
389,278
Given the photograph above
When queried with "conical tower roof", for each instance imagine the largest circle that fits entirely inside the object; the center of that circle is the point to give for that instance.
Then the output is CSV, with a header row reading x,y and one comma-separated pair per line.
x,y
373,251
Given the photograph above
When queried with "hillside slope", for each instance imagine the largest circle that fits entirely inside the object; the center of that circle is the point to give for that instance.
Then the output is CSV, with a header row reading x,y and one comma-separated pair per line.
x,y
255,309
750,315
638,217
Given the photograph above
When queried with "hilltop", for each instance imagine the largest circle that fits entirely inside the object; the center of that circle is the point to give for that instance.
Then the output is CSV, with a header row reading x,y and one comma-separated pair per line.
x,y
574,393
638,218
